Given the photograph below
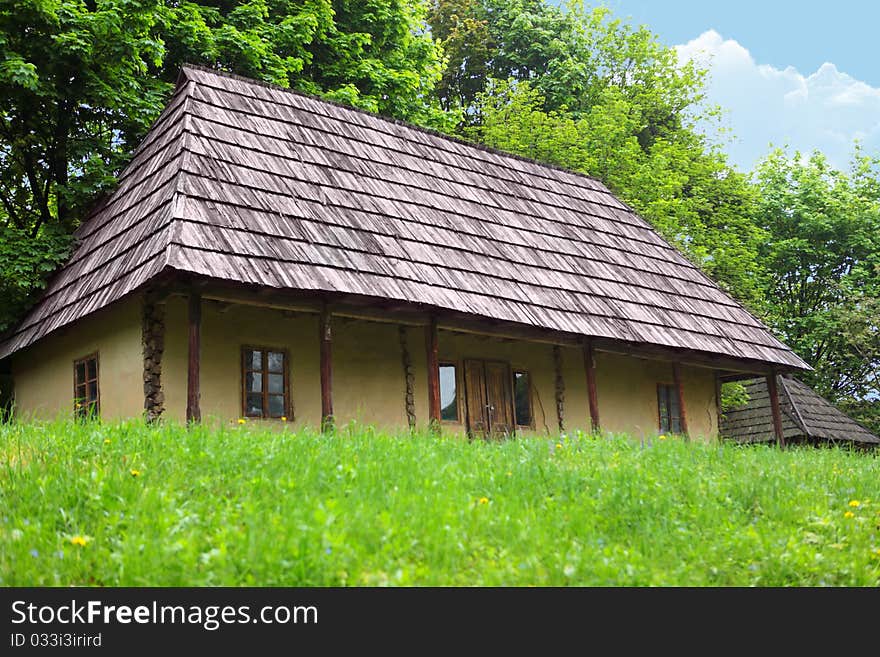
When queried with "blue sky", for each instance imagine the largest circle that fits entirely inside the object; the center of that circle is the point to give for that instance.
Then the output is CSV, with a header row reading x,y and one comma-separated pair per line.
x,y
805,74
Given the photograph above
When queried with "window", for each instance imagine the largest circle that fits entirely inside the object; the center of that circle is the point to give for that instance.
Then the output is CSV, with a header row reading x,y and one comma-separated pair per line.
x,y
266,393
522,398
86,397
667,403
448,393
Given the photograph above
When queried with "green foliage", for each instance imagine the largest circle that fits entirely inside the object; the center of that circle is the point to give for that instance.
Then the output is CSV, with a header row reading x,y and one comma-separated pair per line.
x,y
822,257
122,504
733,395
26,261
373,54
81,82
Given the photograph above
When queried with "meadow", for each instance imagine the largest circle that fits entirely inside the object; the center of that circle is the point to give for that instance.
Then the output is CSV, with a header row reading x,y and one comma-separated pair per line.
x,y
128,505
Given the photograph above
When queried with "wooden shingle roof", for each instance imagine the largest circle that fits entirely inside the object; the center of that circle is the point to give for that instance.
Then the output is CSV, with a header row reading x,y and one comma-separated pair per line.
x,y
805,414
251,183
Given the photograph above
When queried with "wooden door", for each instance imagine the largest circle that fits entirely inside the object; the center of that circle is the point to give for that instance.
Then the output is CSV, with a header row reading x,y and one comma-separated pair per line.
x,y
489,398
500,398
475,396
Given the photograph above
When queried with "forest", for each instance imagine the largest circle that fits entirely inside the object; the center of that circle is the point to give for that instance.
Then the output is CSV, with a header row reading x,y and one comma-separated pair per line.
x,y
796,240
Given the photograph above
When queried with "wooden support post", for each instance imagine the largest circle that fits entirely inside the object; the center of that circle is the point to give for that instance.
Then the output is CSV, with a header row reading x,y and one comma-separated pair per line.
x,y
679,390
773,392
590,368
560,387
409,379
193,394
432,348
326,339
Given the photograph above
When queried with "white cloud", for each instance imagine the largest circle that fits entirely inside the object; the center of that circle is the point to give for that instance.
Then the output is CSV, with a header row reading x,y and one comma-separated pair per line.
x,y
827,110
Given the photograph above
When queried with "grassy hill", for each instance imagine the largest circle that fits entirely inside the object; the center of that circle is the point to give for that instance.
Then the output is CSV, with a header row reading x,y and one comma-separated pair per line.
x,y
123,504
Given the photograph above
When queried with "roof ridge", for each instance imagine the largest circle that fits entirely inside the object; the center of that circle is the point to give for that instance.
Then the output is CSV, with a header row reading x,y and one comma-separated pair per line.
x,y
832,405
797,417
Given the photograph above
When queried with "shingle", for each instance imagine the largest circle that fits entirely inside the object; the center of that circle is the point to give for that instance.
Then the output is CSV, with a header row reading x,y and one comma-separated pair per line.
x,y
242,181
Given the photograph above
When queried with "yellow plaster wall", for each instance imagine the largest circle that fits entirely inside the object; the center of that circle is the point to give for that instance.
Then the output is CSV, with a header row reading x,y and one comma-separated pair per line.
x,y
43,373
626,388
368,376
368,379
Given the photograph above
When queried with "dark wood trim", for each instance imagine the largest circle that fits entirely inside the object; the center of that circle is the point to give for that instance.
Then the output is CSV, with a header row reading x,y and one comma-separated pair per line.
x,y
795,411
590,369
451,363
77,410
773,392
679,390
287,410
560,387
326,340
382,310
432,350
193,393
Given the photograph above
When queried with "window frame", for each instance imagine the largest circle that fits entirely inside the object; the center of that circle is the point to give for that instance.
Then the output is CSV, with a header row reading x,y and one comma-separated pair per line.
x,y
672,391
287,410
451,363
80,408
513,372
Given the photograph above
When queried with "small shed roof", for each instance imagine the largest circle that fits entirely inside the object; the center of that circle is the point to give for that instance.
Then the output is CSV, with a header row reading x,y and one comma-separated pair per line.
x,y
805,414
251,183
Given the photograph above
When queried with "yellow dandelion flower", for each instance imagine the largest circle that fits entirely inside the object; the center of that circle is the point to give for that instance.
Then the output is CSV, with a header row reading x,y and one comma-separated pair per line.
x,y
849,514
79,541
135,473
854,503
241,420
558,445
106,441
661,437
284,418
483,500
509,474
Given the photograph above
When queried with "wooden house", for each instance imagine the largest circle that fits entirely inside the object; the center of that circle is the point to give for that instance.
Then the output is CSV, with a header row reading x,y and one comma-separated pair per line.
x,y
274,256
807,417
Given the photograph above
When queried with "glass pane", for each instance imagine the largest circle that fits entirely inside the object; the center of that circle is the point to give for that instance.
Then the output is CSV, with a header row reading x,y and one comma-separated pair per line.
x,y
253,382
673,401
80,373
254,404
92,368
92,391
276,405
276,361
522,403
276,383
676,425
663,407
93,409
255,360
448,398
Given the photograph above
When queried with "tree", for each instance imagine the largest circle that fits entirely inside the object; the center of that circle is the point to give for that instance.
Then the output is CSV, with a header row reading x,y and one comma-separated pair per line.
x,y
82,80
373,54
822,256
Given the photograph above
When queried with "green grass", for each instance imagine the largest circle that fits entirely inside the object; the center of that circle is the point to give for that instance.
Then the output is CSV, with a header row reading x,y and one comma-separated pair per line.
x,y
243,506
